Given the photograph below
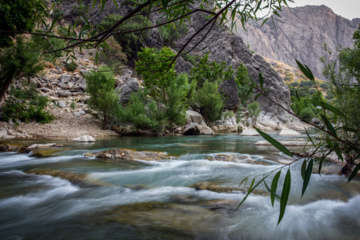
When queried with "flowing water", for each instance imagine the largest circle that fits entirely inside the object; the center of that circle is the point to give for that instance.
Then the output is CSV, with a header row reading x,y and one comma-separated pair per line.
x,y
157,199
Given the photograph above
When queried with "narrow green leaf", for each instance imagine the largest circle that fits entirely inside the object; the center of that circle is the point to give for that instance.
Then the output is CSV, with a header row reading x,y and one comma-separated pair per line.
x,y
327,106
261,79
307,176
354,172
328,124
250,191
264,22
305,70
349,129
338,151
285,195
274,142
303,169
274,187
269,190
244,180
252,183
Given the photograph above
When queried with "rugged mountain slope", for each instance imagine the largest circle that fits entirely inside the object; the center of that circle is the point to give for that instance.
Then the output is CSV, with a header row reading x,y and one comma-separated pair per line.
x,y
301,35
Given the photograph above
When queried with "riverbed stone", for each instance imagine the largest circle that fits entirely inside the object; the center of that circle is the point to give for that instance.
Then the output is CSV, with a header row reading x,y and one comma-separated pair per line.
x,y
131,154
85,138
288,132
249,132
295,142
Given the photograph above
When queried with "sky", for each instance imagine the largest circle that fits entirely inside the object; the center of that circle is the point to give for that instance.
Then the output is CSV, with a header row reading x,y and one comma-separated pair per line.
x,y
346,8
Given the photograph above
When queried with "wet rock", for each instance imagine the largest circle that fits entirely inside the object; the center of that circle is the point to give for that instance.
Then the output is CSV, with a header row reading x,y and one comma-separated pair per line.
x,y
288,132
85,138
295,142
44,152
215,188
47,145
249,132
130,154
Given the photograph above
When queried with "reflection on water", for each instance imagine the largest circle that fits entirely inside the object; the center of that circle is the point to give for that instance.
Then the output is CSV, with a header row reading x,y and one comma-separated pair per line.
x,y
157,200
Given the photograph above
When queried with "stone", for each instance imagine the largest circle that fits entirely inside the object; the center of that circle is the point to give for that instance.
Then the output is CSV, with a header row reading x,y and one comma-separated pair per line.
x,y
249,132
58,70
227,125
194,117
84,72
64,93
127,89
295,142
197,129
79,113
85,138
288,132
62,104
65,78
131,154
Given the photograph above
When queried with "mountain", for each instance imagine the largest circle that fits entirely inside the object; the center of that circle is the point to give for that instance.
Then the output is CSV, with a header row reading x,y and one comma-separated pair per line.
x,y
300,34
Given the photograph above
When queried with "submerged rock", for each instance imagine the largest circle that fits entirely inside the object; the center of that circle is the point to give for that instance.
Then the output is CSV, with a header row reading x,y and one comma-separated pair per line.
x,y
130,154
85,138
288,132
75,178
294,142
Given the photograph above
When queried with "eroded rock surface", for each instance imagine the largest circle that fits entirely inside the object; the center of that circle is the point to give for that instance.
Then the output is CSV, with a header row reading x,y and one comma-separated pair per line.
x,y
130,154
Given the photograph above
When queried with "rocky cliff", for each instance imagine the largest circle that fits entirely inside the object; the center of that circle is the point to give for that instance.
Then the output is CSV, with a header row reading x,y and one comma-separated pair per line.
x,y
301,34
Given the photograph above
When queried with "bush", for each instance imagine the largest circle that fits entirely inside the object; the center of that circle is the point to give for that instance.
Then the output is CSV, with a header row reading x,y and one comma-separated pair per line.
x,y
26,105
113,57
254,110
209,99
71,66
48,44
307,114
244,84
289,77
101,87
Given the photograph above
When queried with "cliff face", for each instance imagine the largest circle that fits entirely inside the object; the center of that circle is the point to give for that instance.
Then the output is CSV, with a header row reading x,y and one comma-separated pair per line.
x,y
301,35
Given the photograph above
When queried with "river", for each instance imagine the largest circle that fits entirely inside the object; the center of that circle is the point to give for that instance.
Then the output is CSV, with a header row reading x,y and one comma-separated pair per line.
x,y
157,199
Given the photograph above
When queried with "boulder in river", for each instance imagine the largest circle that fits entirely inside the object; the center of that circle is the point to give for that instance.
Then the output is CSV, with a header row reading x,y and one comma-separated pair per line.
x,y
197,129
293,142
131,154
249,132
85,138
288,132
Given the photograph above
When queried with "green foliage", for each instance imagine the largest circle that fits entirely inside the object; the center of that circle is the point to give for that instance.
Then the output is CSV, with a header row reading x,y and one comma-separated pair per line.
x,y
73,105
254,110
101,87
26,105
112,56
193,59
18,61
306,84
209,99
173,31
245,86
130,42
154,67
325,86
294,84
46,44
18,16
142,113
71,66
210,71
307,114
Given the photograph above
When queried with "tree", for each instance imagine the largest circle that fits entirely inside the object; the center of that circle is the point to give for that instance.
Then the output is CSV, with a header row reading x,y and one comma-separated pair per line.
x,y
101,87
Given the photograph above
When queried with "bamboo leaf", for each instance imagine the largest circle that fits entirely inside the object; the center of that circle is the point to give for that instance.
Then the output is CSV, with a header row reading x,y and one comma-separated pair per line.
x,y
274,142
303,169
269,190
328,125
354,172
307,176
305,70
285,195
244,180
250,191
274,187
327,106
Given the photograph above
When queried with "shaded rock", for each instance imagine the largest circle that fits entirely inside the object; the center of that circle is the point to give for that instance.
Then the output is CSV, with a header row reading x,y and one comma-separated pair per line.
x,y
249,132
288,132
197,129
127,89
130,130
130,154
85,138
229,90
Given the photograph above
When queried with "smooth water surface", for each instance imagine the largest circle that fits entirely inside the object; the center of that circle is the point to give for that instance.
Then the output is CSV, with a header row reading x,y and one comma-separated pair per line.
x,y
158,200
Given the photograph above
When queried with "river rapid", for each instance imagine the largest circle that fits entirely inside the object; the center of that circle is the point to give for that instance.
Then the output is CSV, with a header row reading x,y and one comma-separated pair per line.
x,y
158,200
